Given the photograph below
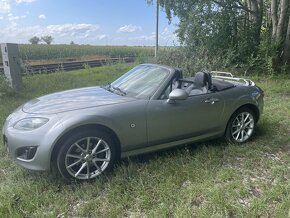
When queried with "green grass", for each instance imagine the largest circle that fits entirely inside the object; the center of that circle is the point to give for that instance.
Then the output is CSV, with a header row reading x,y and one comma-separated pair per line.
x,y
211,179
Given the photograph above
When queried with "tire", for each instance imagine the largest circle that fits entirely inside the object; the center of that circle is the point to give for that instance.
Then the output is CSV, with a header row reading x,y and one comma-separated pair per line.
x,y
86,155
241,126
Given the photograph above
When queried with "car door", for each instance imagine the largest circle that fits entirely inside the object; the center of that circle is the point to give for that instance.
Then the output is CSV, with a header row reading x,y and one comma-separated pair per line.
x,y
198,115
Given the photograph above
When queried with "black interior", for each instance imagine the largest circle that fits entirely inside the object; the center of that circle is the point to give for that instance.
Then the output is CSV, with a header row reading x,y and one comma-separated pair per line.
x,y
220,85
204,79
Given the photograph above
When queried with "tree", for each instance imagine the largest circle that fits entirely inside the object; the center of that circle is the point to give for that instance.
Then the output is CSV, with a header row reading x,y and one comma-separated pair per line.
x,y
248,30
280,12
218,25
34,40
47,39
286,53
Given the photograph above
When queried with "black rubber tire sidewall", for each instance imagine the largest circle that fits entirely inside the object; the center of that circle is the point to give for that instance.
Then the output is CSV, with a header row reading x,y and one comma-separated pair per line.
x,y
228,134
60,162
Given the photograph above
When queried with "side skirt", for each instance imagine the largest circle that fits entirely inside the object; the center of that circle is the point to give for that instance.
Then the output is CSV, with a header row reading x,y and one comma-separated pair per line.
x,y
169,145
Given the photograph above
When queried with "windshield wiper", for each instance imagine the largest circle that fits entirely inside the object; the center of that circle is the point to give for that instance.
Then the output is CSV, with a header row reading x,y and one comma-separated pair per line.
x,y
119,90
113,88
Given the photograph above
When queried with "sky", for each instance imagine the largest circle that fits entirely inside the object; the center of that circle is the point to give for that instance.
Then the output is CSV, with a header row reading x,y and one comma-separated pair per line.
x,y
95,22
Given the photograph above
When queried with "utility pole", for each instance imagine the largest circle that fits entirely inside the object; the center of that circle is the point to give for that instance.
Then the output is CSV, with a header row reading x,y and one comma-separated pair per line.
x,y
157,23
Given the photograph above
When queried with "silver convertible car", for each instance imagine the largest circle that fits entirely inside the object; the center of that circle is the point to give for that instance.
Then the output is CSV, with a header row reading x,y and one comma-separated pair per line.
x,y
82,132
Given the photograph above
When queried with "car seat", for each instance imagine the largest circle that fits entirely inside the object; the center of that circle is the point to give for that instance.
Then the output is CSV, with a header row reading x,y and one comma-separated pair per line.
x,y
202,83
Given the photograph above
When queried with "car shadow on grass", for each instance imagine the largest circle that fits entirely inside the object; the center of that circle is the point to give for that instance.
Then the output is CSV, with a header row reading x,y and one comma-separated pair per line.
x,y
265,128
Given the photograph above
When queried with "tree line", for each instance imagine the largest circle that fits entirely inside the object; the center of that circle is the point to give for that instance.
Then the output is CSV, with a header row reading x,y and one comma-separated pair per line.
x,y
243,31
35,40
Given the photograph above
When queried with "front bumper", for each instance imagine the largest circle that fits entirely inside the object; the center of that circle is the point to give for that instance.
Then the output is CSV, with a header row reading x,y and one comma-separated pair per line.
x,y
30,149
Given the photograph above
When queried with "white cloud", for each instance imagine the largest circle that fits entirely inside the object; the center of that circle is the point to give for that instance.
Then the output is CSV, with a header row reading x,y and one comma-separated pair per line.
x,y
12,18
129,28
100,37
5,6
24,1
87,33
42,16
166,37
83,30
150,37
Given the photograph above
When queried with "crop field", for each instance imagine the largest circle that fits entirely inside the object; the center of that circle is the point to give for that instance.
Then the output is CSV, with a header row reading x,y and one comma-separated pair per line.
x,y
48,52
58,54
210,179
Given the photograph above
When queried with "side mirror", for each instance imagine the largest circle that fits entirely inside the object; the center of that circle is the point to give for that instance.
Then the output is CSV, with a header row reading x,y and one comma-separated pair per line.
x,y
177,94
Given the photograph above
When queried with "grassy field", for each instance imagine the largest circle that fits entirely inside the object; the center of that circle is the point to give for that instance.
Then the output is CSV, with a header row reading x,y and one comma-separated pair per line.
x,y
211,179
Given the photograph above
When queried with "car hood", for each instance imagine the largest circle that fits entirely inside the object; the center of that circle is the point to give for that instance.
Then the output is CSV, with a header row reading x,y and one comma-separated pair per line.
x,y
73,100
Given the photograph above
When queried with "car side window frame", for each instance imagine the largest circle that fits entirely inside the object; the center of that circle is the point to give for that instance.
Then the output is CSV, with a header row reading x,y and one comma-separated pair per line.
x,y
165,96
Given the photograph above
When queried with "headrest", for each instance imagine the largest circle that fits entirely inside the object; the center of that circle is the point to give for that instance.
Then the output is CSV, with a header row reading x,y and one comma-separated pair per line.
x,y
202,79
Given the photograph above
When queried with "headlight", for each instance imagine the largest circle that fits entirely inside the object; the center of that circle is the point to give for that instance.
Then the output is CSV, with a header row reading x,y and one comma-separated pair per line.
x,y
30,123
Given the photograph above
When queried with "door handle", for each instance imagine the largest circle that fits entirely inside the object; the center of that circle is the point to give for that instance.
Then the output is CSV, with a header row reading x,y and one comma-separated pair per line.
x,y
211,100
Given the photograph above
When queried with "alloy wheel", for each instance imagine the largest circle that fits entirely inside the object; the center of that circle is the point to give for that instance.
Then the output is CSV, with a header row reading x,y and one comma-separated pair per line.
x,y
87,158
242,127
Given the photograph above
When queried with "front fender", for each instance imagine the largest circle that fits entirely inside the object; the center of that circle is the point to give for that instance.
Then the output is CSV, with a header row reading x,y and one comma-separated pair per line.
x,y
68,123
127,121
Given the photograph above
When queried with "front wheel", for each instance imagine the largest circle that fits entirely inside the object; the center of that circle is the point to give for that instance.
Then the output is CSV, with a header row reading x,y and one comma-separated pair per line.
x,y
86,155
241,126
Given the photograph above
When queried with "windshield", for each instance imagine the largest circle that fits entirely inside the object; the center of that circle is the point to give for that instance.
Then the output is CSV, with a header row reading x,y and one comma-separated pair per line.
x,y
140,82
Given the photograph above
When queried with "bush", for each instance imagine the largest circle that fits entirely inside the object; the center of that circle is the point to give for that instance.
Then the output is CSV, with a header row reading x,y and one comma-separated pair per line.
x,y
191,60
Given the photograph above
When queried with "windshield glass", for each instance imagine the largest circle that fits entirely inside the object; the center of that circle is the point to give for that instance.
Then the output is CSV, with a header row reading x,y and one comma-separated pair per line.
x,y
140,82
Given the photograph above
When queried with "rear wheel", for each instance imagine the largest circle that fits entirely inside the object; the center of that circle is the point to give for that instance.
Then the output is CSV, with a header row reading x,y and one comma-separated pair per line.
x,y
241,126
86,155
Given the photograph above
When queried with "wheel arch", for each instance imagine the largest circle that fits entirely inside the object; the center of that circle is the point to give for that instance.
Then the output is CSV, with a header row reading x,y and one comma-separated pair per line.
x,y
253,108
85,127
